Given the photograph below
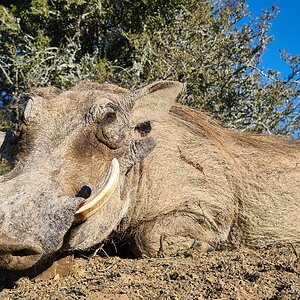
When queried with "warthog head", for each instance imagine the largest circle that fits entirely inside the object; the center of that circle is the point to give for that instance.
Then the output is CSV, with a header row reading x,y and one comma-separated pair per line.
x,y
70,157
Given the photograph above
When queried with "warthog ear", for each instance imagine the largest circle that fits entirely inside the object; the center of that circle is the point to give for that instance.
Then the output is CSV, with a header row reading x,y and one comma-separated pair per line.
x,y
31,107
163,93
154,101
173,88
7,147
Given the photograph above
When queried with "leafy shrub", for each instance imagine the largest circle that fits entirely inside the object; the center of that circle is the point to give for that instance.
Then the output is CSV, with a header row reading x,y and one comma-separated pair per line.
x,y
214,47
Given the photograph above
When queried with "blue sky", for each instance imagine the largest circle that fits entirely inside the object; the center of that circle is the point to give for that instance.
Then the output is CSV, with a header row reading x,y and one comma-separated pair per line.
x,y
285,30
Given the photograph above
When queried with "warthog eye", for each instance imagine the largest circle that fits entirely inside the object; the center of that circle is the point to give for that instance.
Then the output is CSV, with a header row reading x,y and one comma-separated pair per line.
x,y
143,128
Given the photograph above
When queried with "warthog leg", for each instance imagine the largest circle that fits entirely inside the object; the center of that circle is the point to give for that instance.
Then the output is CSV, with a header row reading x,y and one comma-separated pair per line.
x,y
171,234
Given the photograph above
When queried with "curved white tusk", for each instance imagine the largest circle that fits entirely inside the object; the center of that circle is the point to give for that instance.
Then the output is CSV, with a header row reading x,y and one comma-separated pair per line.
x,y
91,205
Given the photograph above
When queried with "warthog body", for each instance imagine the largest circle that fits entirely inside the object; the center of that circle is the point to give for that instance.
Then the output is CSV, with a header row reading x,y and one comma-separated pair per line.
x,y
184,181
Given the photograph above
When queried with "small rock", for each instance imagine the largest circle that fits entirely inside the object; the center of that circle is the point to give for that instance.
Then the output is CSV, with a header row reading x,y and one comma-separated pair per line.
x,y
60,268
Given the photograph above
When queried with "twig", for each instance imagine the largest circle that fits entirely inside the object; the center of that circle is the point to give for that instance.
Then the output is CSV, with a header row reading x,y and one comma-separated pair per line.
x,y
6,75
294,250
97,250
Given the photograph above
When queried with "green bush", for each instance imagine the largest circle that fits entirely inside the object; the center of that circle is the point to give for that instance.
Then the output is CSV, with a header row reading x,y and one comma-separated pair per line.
x,y
214,47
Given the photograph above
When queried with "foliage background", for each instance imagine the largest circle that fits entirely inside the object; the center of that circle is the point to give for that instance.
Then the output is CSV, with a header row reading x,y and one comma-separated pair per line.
x,y
211,46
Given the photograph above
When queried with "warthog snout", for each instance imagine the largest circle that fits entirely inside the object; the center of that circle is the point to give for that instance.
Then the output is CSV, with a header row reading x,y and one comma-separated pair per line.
x,y
17,255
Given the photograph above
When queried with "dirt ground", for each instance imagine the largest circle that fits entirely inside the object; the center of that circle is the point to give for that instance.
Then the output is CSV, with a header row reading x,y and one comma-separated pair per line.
x,y
229,274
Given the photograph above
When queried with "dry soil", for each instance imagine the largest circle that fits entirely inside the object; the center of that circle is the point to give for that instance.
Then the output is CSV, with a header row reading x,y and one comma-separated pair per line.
x,y
229,274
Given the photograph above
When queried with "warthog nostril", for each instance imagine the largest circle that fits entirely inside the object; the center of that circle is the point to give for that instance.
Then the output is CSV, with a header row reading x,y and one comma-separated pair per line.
x,y
24,252
15,255
85,192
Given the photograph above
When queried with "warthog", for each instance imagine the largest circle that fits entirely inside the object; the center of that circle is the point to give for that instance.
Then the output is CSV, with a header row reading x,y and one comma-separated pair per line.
x,y
99,159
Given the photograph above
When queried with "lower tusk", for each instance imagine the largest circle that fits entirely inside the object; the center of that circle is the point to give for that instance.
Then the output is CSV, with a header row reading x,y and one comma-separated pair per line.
x,y
91,205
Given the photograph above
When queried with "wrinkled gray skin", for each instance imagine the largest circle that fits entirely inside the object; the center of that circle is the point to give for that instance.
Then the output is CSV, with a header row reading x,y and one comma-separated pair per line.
x,y
184,183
